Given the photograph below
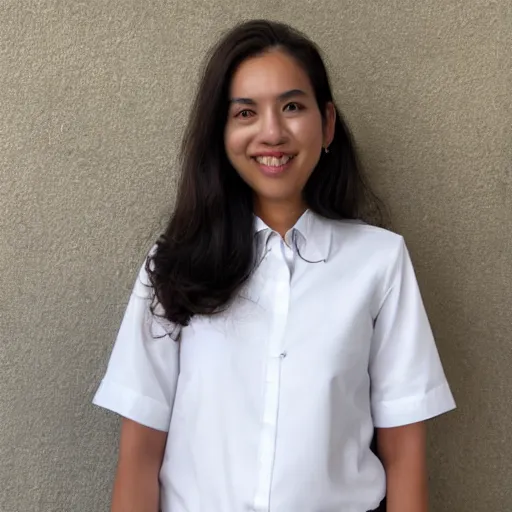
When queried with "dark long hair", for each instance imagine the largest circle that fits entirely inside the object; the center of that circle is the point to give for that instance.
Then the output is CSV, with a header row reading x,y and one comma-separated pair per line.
x,y
207,250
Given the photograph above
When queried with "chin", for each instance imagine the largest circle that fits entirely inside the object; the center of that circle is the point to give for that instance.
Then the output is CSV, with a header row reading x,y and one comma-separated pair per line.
x,y
277,197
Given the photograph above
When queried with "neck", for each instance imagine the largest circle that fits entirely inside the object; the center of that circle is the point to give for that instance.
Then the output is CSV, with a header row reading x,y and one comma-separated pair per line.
x,y
280,217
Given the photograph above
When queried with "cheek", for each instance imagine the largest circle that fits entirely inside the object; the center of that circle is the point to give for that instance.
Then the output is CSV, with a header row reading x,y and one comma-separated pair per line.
x,y
236,142
308,132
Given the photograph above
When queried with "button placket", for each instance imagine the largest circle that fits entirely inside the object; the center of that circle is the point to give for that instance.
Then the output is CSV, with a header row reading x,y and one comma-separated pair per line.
x,y
275,357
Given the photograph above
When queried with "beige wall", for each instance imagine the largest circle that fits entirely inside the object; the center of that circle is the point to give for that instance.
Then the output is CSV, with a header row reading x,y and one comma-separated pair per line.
x,y
93,98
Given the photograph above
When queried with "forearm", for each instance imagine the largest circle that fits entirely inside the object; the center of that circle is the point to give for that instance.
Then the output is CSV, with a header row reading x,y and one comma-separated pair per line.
x,y
135,491
137,486
403,454
407,487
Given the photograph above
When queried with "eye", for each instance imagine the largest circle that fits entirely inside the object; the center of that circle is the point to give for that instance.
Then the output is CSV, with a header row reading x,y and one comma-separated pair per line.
x,y
293,107
245,114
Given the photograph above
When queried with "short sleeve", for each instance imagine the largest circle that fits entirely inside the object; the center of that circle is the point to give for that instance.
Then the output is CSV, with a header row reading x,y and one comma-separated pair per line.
x,y
141,377
408,383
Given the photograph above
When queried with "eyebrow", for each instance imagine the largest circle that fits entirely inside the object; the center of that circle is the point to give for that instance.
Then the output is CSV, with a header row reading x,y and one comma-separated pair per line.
x,y
282,97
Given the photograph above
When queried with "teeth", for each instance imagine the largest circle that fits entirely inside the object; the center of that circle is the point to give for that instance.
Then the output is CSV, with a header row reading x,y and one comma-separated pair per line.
x,y
272,161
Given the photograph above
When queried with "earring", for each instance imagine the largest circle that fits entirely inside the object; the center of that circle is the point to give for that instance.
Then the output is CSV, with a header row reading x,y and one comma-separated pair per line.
x,y
326,149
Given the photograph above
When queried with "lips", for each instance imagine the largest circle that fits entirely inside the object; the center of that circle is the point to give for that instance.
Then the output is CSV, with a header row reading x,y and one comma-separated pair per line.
x,y
273,165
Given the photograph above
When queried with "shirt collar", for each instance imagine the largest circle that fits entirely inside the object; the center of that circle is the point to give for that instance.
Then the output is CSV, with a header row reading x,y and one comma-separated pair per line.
x,y
315,235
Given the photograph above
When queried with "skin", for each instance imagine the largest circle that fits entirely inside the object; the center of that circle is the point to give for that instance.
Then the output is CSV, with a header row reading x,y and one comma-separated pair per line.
x,y
141,452
266,116
403,454
273,108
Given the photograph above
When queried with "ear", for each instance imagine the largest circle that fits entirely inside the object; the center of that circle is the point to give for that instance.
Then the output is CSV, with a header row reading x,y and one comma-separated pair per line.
x,y
329,123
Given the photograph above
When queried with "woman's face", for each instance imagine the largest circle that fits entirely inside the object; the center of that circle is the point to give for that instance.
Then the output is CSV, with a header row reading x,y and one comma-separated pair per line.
x,y
274,131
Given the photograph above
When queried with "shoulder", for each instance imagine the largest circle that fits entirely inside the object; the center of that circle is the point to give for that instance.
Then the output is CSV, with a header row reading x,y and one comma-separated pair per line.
x,y
365,239
148,309
143,288
368,251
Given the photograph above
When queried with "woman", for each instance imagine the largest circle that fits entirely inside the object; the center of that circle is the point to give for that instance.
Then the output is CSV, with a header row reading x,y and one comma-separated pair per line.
x,y
297,329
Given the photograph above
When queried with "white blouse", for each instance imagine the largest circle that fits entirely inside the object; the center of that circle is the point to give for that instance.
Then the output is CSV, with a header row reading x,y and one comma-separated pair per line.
x,y
271,405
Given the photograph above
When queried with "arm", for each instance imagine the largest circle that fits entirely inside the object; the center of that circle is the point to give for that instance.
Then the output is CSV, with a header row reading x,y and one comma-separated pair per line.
x,y
408,385
136,486
403,454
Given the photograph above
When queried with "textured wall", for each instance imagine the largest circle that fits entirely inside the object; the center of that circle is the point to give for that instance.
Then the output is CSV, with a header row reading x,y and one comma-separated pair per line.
x,y
93,98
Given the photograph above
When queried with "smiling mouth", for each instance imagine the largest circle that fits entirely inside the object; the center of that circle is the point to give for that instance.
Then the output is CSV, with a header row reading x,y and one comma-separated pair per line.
x,y
273,166
272,161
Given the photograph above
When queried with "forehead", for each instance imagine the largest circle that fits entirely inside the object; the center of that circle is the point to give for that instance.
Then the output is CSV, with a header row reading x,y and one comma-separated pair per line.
x,y
268,76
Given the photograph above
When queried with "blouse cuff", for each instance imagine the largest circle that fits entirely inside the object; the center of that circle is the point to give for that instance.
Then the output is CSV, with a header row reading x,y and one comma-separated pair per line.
x,y
413,409
131,405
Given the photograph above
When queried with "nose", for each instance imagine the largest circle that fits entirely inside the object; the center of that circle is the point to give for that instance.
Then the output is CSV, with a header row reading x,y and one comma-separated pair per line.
x,y
272,129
